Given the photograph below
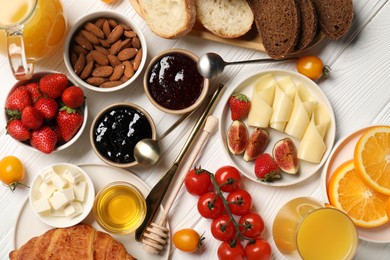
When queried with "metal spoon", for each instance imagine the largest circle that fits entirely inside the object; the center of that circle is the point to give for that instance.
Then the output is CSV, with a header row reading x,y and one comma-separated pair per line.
x,y
211,64
147,151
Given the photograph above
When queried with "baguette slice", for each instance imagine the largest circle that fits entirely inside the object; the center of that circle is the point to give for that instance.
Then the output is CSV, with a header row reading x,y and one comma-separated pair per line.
x,y
335,16
169,18
225,18
278,22
308,23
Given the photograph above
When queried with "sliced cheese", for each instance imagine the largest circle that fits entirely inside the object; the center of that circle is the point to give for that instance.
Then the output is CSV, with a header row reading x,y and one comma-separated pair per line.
x,y
304,104
80,190
263,94
283,103
47,189
73,209
42,205
58,200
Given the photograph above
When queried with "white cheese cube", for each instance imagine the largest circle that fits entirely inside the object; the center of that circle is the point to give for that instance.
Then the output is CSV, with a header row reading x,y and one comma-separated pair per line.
x,y
57,213
47,189
73,209
72,176
46,174
42,205
79,190
69,193
58,200
58,181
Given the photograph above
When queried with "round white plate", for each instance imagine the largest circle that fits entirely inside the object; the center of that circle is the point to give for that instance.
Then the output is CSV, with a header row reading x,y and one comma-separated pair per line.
x,y
306,169
342,152
28,225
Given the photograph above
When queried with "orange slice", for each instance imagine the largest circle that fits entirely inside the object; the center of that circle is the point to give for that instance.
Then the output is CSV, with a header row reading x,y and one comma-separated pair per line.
x,y
348,192
372,158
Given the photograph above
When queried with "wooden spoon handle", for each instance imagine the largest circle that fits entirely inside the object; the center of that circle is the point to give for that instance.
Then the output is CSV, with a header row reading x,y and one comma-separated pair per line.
x,y
210,127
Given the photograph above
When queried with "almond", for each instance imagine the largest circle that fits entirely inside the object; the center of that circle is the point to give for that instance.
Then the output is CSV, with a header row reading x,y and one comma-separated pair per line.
x,y
96,81
94,28
137,59
127,53
114,61
136,43
80,63
112,22
90,37
125,27
101,49
99,22
110,84
125,44
106,28
100,57
130,34
124,78
83,42
78,49
115,34
129,69
73,58
87,70
114,49
103,71
117,73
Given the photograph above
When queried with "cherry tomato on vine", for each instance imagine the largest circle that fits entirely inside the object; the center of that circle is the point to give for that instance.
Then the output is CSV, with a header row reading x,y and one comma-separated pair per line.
x,y
228,178
12,171
240,202
259,250
210,205
222,228
197,183
226,252
310,66
187,240
251,225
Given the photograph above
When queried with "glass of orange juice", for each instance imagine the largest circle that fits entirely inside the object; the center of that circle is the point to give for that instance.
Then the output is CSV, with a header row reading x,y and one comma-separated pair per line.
x,y
304,228
30,29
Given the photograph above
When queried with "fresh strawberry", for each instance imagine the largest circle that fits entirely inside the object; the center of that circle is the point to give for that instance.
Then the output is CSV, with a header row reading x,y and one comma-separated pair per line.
x,y
73,97
266,168
32,118
47,106
239,106
17,130
52,85
69,122
18,100
44,139
33,89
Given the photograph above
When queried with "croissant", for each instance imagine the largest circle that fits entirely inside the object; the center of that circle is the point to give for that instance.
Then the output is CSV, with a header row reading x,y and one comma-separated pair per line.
x,y
78,242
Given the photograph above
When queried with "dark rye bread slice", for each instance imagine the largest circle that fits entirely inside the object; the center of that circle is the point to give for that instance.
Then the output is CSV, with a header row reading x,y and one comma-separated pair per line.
x,y
278,22
335,16
308,23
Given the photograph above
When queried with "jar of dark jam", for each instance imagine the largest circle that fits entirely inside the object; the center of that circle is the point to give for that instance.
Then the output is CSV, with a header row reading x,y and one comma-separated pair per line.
x,y
173,81
117,130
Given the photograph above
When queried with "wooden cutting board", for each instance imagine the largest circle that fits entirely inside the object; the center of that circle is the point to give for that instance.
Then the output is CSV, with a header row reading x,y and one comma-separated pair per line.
x,y
250,40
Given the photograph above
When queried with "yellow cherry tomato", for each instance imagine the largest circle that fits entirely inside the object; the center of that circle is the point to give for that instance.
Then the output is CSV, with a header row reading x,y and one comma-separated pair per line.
x,y
187,240
310,66
12,171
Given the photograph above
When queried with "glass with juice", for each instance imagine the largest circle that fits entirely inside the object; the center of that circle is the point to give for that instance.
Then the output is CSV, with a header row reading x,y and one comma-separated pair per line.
x,y
30,29
305,229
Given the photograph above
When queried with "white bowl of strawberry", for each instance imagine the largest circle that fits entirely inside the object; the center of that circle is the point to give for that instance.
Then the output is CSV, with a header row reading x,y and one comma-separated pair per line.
x,y
46,113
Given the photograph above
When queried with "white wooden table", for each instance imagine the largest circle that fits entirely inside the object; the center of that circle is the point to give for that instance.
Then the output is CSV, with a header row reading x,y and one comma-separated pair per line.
x,y
358,89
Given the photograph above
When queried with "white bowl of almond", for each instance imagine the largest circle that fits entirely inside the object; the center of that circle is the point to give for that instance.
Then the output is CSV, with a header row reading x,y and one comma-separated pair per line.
x,y
62,195
105,51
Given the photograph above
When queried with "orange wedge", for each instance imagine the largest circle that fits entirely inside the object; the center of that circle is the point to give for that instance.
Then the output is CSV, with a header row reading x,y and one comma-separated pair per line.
x,y
348,192
372,158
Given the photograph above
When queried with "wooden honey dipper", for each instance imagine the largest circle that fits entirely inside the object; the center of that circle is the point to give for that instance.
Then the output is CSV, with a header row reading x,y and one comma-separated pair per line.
x,y
156,235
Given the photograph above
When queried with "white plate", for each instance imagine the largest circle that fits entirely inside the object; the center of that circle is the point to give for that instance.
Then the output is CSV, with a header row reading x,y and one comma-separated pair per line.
x,y
343,151
28,225
306,169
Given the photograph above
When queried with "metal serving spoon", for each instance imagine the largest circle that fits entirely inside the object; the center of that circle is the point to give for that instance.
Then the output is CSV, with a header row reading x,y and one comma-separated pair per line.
x,y
211,64
147,150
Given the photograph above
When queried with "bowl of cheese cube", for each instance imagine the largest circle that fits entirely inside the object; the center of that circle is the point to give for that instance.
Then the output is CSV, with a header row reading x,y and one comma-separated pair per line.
x,y
62,195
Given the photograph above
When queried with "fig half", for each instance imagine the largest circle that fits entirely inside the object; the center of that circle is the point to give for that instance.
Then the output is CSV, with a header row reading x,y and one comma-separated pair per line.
x,y
285,155
257,143
237,137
